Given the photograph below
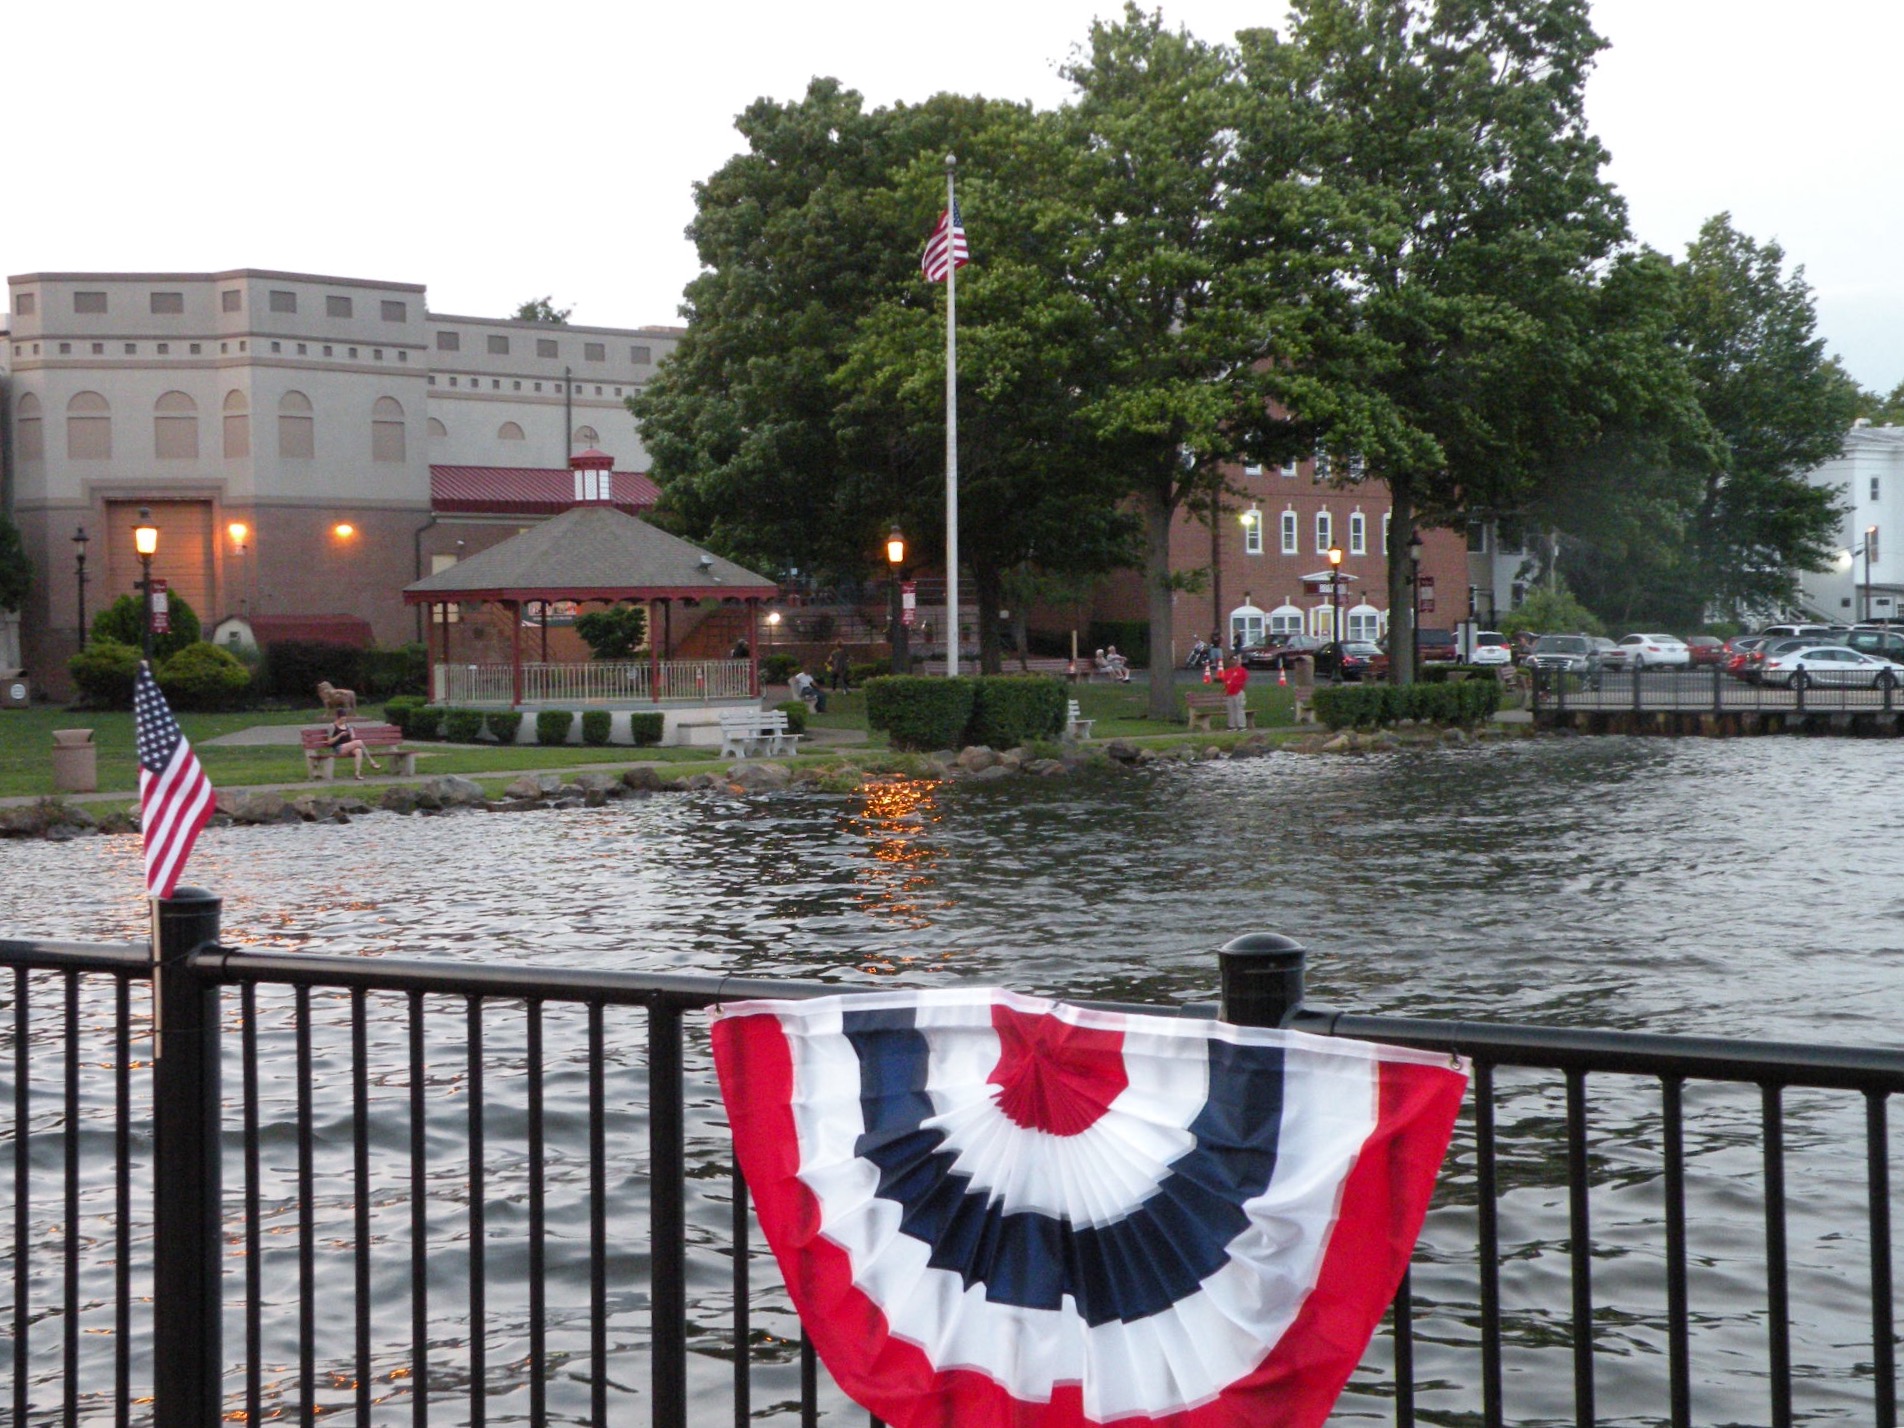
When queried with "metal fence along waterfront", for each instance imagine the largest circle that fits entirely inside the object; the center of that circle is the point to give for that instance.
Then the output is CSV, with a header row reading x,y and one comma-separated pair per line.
x,y
519,1175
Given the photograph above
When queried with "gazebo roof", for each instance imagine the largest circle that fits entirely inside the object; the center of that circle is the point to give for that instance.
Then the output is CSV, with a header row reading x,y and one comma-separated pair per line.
x,y
591,552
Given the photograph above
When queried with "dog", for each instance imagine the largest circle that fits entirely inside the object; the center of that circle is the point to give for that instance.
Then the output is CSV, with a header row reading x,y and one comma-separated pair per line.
x,y
335,698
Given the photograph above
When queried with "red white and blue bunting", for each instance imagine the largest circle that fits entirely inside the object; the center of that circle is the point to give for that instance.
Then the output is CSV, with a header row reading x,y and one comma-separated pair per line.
x,y
993,1209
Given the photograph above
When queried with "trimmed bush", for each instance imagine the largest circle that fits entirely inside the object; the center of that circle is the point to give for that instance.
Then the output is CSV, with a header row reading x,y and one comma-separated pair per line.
x,y
104,672
596,724
796,712
1367,706
404,670
503,724
647,728
294,667
921,713
426,722
859,671
462,726
124,620
205,677
553,725
401,710
778,668
1014,709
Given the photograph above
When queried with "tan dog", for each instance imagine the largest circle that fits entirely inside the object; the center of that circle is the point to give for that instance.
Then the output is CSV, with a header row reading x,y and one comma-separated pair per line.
x,y
335,698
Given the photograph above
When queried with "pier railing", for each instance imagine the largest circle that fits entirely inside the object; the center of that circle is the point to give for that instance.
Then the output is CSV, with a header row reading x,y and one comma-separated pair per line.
x,y
391,1191
1712,691
677,681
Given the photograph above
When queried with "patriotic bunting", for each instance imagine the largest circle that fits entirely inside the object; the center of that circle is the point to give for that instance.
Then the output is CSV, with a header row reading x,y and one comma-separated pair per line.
x,y
997,1210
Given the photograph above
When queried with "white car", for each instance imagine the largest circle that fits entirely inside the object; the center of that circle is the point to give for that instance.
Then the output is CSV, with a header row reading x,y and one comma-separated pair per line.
x,y
1490,647
1829,664
1638,652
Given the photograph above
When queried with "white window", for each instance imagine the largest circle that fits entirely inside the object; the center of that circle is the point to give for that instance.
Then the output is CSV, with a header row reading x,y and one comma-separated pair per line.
x,y
1252,468
1253,532
1321,472
1291,541
1325,532
1358,533
1363,622
1285,620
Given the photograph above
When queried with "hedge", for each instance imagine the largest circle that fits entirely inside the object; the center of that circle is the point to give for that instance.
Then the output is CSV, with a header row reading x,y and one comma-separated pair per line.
x,y
1369,705
462,726
294,667
425,722
1014,709
596,724
104,673
401,710
553,725
503,724
796,712
778,668
384,673
921,713
647,728
205,677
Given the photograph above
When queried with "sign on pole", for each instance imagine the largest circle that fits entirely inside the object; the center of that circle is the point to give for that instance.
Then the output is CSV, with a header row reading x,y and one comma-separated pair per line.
x,y
908,602
1425,585
161,609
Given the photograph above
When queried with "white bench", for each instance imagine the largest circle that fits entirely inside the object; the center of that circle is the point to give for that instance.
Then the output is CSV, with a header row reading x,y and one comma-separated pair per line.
x,y
1075,725
745,732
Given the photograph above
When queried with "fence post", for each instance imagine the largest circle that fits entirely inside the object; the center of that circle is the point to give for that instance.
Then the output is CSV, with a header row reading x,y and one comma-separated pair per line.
x,y
188,1349
1261,975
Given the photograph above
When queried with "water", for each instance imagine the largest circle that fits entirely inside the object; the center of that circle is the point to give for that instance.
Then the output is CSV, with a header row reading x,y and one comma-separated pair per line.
x,y
1731,888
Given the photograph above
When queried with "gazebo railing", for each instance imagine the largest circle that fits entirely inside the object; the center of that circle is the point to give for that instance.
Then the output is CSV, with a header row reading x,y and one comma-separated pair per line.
x,y
679,681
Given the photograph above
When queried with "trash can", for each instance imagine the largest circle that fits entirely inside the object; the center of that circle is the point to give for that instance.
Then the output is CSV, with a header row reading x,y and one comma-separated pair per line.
x,y
75,761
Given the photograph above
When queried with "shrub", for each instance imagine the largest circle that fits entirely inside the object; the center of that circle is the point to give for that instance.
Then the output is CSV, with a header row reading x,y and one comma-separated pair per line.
x,y
796,712
859,671
404,670
920,713
596,724
123,619
647,728
104,672
1014,709
294,667
778,668
426,722
401,711
203,676
553,725
462,726
614,633
503,724
1369,705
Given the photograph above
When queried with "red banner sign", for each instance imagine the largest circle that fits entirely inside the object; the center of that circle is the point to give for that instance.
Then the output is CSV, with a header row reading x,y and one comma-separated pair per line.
x,y
908,603
161,608
1425,593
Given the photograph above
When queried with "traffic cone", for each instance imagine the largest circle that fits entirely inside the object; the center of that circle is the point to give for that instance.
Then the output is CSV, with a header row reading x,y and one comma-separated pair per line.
x,y
1206,673
1282,674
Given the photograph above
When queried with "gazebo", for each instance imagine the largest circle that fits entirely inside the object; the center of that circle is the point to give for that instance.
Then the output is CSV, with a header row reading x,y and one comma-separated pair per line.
x,y
594,553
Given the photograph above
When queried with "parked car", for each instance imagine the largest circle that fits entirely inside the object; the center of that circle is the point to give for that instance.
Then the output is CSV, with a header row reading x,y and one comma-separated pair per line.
x,y
1490,647
1705,650
1877,640
1742,655
1283,655
1437,646
1828,665
1818,632
1655,651
1570,654
1358,659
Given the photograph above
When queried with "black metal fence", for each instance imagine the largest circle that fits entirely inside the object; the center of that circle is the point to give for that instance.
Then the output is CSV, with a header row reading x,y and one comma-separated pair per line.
x,y
434,1192
1711,690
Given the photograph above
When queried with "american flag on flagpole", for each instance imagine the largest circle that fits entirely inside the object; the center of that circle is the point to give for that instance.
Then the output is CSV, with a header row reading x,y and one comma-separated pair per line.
x,y
945,249
175,797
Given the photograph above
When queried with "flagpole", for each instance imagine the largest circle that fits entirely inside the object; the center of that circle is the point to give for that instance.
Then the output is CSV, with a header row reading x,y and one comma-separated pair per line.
x,y
951,435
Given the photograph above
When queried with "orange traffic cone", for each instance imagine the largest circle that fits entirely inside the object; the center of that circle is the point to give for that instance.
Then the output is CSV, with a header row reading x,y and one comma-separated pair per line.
x,y
1206,673
1282,674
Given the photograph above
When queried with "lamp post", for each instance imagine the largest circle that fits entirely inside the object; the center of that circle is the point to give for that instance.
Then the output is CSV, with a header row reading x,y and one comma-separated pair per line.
x,y
896,629
80,538
145,540
1870,543
1335,609
1414,606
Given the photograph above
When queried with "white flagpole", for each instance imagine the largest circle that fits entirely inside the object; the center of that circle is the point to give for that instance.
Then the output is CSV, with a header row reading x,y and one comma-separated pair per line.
x,y
951,434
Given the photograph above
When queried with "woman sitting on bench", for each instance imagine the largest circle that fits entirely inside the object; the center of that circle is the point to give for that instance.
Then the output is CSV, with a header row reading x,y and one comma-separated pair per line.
x,y
342,740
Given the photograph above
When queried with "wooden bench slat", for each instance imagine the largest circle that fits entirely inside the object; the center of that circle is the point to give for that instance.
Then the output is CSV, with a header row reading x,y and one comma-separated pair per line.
x,y
320,761
1201,705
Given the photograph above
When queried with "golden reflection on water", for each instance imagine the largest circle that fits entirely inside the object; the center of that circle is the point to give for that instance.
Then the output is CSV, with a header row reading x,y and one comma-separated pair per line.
x,y
894,881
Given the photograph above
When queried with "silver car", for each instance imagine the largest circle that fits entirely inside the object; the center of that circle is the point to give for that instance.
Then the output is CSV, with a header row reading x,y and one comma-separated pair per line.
x,y
1828,665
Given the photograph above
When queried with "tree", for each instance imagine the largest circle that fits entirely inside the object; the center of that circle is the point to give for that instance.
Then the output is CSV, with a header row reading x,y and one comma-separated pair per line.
x,y
614,633
542,309
16,571
124,619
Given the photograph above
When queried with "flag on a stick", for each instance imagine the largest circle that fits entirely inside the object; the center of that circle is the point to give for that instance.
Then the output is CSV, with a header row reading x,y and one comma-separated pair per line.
x,y
945,249
997,1211
175,797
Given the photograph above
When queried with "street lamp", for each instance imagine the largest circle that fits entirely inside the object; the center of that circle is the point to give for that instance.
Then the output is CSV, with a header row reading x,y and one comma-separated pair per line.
x,y
1870,549
1335,609
145,540
896,629
1414,605
773,626
80,538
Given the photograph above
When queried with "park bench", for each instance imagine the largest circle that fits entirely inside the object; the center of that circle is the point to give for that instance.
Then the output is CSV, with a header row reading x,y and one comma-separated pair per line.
x,y
745,732
1200,706
1076,726
321,763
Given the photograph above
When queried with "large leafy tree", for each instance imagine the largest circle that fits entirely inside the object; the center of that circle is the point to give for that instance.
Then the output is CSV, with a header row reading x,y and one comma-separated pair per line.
x,y
16,571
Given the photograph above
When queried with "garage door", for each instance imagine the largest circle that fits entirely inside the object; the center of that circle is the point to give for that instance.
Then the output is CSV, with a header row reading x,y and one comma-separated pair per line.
x,y
184,560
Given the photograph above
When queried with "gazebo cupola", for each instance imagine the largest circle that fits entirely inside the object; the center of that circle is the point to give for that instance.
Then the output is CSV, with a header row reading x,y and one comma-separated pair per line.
x,y
594,477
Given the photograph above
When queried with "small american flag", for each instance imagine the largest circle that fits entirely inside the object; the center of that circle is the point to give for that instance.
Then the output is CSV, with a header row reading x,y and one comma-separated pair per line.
x,y
945,249
175,797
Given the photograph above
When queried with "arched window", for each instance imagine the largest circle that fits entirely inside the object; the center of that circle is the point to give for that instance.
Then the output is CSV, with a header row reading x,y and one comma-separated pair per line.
x,y
297,436
1286,619
30,432
237,423
175,428
437,429
386,430
1246,621
509,431
1290,538
88,428
1358,536
1325,532
1364,622
586,436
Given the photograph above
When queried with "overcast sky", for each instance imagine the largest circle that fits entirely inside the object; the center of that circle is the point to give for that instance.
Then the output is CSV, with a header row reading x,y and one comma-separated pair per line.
x,y
498,154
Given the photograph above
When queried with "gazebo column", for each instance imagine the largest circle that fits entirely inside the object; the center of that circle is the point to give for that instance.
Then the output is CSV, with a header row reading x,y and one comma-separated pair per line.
x,y
753,647
654,648
514,607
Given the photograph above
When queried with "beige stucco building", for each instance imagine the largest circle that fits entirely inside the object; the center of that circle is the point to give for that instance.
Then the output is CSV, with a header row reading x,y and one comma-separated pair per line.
x,y
293,435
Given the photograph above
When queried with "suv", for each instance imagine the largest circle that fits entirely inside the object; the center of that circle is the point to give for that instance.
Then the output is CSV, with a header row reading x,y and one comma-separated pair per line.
x,y
1571,654
1436,646
1876,640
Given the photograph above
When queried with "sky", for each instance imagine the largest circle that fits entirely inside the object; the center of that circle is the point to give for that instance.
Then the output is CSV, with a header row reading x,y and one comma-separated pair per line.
x,y
501,153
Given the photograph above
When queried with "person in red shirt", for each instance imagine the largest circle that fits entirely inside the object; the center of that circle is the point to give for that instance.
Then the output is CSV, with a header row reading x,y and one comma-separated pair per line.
x,y
1234,677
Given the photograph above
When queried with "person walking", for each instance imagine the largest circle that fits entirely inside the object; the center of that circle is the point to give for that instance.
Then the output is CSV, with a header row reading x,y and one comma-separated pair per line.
x,y
838,667
1235,676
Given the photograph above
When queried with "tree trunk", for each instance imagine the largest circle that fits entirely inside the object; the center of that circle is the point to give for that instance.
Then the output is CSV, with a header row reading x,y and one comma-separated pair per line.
x,y
1401,581
989,589
1163,688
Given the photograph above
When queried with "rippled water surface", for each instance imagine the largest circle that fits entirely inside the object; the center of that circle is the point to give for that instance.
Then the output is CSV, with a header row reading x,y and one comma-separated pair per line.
x,y
1741,888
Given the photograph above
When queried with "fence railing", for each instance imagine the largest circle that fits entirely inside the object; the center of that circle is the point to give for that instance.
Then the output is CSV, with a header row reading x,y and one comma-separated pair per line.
x,y
678,681
430,1192
1712,690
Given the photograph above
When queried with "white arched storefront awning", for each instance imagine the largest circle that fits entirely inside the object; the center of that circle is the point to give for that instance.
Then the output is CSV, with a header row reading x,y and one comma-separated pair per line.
x,y
1362,622
1286,619
1247,624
